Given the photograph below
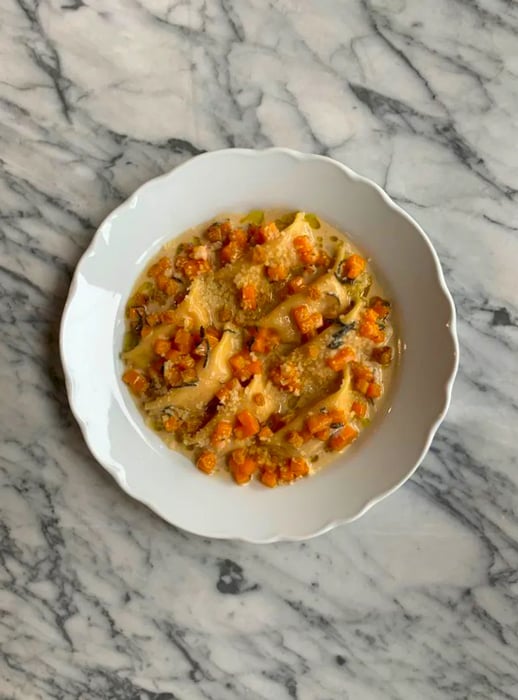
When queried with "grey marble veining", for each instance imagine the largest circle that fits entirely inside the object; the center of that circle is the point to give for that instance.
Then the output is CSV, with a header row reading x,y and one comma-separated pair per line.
x,y
100,599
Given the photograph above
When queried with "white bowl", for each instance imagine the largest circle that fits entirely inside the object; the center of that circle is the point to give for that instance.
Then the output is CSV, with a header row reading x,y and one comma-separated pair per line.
x,y
239,180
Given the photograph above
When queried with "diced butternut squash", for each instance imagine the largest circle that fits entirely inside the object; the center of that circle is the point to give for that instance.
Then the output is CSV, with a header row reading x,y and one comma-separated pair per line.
x,y
167,316
206,462
244,366
342,438
264,434
249,297
337,416
153,319
359,408
223,395
171,423
239,236
306,251
306,321
380,306
212,336
361,385
262,234
162,346
318,421
370,330
323,434
191,268
370,315
362,377
259,255
164,265
287,376
299,466
382,355
136,381
269,478
265,340
339,360
362,371
248,423
295,438
237,457
353,266
276,273
167,285
216,233
241,477
172,374
231,252
189,376
242,466
221,433
373,390
183,341
249,466
285,473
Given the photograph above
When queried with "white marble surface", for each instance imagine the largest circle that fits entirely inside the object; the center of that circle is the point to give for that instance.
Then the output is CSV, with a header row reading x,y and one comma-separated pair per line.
x,y
100,599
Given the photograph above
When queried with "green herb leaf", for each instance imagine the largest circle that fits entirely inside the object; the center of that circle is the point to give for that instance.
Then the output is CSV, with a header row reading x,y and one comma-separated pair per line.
x,y
368,283
256,217
146,289
312,220
130,341
285,220
337,339
155,423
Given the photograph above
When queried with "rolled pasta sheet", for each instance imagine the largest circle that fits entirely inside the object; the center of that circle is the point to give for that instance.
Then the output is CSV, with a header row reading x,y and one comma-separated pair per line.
x,y
333,298
279,252
315,379
359,288
192,312
210,378
341,399
243,400
282,250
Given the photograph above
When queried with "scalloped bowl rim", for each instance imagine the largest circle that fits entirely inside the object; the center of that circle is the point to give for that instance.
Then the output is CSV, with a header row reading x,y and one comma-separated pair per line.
x,y
253,153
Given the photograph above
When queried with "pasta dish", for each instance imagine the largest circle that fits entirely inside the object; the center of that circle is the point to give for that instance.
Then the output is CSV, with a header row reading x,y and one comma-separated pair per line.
x,y
259,345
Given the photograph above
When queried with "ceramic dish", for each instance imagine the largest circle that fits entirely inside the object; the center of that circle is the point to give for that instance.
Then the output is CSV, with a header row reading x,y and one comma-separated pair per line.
x,y
240,180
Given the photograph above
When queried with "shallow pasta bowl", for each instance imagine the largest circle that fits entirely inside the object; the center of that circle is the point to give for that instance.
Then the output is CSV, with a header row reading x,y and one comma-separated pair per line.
x,y
240,180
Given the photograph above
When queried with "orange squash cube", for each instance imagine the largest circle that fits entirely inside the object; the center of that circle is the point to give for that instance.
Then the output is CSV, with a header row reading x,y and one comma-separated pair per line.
x,y
342,438
339,360
206,462
136,381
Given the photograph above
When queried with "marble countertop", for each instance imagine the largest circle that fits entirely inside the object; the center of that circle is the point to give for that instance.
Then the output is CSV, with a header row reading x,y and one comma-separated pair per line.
x,y
99,598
